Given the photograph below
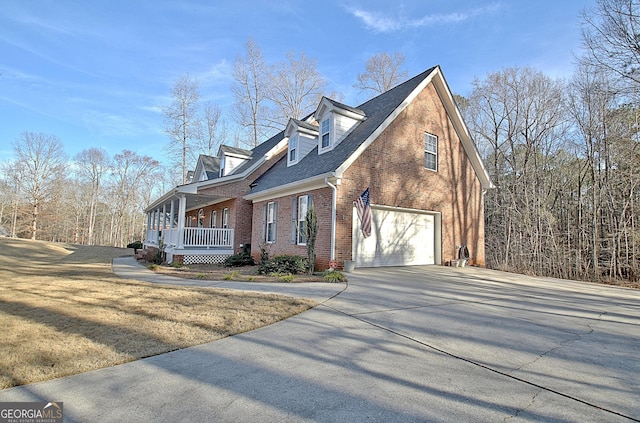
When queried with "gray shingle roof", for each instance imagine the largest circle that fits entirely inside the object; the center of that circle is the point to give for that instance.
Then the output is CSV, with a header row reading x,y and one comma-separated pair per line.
x,y
307,125
376,110
258,152
235,150
345,107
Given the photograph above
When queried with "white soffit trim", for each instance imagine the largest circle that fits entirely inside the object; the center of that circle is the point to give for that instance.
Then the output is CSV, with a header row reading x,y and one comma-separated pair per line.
x,y
315,182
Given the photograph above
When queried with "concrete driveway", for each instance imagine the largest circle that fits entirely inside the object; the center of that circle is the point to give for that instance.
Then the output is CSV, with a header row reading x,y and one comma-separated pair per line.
x,y
397,345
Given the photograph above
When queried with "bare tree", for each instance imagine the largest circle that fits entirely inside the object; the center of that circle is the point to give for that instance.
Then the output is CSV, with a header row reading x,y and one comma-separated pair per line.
x,y
92,165
517,116
130,172
610,35
213,130
12,176
182,120
382,73
40,156
250,94
295,88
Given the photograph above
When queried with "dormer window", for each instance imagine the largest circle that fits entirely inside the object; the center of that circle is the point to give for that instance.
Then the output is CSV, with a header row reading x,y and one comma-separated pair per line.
x,y
325,134
335,122
293,149
301,137
222,162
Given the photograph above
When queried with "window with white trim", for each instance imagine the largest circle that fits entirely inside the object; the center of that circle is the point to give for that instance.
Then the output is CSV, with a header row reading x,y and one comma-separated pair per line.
x,y
293,149
431,152
325,136
213,220
225,224
225,218
200,218
303,206
270,233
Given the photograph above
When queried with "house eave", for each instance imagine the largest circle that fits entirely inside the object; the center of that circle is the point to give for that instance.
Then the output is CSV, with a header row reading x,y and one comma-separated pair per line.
x,y
194,187
239,176
308,184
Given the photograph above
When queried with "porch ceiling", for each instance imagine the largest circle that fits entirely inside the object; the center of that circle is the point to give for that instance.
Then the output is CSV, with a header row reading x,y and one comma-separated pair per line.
x,y
195,201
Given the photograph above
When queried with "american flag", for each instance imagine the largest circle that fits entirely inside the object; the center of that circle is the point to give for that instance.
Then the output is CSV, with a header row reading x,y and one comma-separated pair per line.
x,y
363,208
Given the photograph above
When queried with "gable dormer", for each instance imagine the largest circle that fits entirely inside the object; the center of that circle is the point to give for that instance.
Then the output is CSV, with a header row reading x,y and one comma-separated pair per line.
x,y
231,158
335,121
303,137
207,167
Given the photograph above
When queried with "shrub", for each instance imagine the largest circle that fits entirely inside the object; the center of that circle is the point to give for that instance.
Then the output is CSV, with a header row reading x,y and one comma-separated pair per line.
x,y
334,276
241,259
135,245
264,252
284,264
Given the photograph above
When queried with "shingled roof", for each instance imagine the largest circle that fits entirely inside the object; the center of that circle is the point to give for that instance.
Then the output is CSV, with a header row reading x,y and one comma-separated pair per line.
x,y
313,164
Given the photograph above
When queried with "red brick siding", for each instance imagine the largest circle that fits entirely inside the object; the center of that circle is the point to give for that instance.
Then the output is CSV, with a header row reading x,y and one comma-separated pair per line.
x,y
282,244
393,168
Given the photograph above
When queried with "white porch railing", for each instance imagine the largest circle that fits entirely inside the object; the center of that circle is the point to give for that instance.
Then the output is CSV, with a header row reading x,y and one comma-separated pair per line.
x,y
208,237
193,237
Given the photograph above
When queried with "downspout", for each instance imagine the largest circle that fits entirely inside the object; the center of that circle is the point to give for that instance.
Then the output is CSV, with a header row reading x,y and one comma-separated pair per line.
x,y
334,190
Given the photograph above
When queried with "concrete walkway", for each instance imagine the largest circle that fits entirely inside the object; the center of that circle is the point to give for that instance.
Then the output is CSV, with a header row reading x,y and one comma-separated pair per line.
x,y
416,344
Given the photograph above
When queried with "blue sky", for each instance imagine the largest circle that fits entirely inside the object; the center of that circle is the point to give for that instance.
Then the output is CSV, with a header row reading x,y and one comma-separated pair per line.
x,y
97,73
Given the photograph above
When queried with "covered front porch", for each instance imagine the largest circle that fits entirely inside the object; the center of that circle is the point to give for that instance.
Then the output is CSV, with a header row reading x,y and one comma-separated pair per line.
x,y
186,240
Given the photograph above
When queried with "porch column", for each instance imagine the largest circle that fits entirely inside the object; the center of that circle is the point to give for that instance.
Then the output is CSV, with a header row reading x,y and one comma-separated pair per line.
x,y
171,215
159,229
154,233
182,209
147,227
164,216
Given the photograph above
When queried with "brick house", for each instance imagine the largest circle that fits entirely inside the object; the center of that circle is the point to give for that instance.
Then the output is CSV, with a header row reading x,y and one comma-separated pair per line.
x,y
409,146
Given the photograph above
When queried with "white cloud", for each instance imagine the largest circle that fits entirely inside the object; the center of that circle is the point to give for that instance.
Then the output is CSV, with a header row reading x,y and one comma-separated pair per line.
x,y
376,21
215,75
380,22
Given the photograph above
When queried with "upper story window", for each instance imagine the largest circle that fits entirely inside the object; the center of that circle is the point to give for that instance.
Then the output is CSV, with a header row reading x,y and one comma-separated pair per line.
x,y
293,149
325,134
431,152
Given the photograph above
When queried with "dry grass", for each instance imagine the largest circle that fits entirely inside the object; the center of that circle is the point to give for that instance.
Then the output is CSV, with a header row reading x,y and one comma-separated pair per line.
x,y
243,274
64,312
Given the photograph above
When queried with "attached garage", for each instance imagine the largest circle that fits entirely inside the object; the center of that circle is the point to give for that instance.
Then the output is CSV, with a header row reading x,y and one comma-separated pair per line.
x,y
399,237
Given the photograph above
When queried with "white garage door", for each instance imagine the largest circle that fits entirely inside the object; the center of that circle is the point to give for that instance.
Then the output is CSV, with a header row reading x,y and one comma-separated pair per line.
x,y
398,238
